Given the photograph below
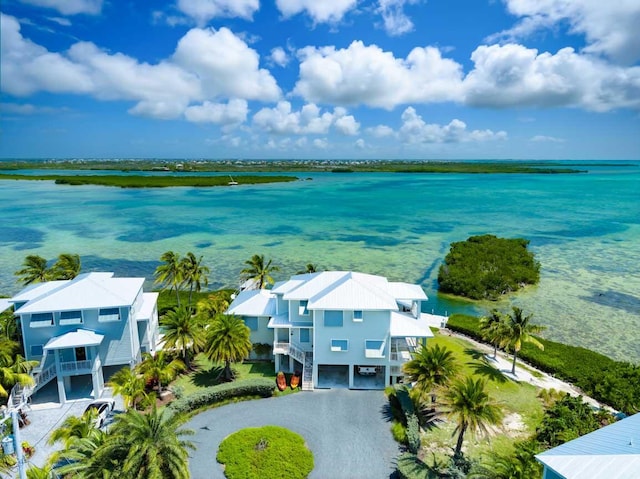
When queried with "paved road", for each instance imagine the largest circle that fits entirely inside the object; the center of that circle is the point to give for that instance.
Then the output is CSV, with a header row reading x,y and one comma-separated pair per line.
x,y
346,430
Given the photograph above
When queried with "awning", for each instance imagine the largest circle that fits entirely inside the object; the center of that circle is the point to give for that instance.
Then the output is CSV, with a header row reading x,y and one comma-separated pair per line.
x,y
405,326
75,339
282,321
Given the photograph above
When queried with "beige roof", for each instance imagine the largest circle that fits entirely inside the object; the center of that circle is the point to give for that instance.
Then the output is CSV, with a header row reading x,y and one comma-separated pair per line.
x,y
86,291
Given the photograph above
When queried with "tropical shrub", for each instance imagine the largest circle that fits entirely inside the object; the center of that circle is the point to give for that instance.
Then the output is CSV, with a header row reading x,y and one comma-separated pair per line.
x,y
268,452
486,267
207,396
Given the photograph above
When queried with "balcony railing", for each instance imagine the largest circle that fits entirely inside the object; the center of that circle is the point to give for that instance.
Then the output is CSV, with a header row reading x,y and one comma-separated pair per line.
x,y
76,367
290,349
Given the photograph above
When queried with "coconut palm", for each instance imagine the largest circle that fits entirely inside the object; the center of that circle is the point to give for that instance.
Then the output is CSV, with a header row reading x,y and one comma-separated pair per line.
x,y
194,273
34,270
430,368
35,472
9,325
152,446
159,368
228,341
466,402
14,369
74,428
130,385
519,330
493,330
81,459
183,331
309,268
214,304
258,271
169,274
66,267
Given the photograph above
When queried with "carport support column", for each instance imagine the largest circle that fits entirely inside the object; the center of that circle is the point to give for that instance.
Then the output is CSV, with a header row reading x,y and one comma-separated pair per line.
x,y
352,368
277,362
59,378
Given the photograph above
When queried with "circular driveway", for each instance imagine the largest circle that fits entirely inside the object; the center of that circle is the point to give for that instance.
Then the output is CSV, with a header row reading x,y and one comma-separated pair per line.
x,y
347,432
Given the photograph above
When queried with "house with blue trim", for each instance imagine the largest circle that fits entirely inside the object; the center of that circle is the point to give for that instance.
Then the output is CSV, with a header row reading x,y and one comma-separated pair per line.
x,y
612,452
78,328
339,328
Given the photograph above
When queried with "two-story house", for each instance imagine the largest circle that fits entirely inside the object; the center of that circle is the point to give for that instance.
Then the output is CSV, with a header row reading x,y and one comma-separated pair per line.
x,y
77,327
337,327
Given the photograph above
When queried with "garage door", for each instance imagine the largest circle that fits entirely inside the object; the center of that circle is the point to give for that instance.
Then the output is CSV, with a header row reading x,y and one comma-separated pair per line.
x,y
333,376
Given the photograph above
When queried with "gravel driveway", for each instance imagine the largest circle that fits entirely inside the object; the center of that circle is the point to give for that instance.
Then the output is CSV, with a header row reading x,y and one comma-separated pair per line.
x,y
346,430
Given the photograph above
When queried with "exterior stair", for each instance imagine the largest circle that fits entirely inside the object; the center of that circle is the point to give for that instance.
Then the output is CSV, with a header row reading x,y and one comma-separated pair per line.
x,y
307,372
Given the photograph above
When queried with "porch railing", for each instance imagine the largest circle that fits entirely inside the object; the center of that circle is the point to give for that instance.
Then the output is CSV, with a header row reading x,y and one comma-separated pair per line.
x,y
76,366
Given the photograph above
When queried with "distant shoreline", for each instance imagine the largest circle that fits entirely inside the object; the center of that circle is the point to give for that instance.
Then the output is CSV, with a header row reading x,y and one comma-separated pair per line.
x,y
290,166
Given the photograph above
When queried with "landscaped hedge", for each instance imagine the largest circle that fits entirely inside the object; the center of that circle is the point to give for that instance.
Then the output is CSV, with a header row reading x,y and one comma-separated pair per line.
x,y
410,467
250,387
615,383
486,267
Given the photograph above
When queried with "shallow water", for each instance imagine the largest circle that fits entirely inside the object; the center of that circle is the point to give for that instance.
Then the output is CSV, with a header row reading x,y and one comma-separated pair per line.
x,y
584,229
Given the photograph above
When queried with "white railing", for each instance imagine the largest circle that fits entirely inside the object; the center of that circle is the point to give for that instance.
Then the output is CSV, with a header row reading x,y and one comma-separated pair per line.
x,y
296,353
44,377
280,348
76,366
402,356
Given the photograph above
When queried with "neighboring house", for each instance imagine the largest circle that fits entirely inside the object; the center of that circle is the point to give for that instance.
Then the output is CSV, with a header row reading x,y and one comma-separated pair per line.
x,y
78,327
612,452
337,327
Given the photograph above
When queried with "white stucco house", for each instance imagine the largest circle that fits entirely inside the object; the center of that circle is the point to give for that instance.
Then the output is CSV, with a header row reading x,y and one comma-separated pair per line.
x,y
75,328
339,328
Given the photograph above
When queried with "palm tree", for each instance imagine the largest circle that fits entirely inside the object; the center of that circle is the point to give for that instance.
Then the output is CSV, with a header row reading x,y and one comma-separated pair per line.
x,y
74,428
81,459
431,368
159,369
34,270
493,330
309,268
468,404
66,267
258,271
194,273
519,330
183,331
35,472
228,342
169,274
152,446
214,304
130,385
14,369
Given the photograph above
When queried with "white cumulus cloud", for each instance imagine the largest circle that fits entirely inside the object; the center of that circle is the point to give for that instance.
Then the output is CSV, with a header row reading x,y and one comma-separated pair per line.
x,y
70,7
321,11
609,27
380,131
283,120
201,11
415,130
395,21
279,56
367,75
233,112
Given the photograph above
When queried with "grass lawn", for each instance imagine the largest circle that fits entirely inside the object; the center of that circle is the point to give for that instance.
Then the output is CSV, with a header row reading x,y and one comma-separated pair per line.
x,y
207,374
519,400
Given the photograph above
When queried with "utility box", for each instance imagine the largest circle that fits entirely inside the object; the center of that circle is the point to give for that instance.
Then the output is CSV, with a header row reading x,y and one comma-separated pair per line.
x,y
7,445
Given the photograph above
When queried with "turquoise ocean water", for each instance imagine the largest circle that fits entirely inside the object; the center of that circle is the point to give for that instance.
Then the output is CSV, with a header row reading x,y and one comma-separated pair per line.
x,y
584,229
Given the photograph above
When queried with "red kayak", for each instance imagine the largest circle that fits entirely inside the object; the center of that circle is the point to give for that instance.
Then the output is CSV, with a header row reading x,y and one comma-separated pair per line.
x,y
281,381
295,380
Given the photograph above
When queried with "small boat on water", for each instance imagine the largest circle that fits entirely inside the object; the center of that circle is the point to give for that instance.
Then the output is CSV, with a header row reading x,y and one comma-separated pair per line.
x,y
232,182
295,380
281,381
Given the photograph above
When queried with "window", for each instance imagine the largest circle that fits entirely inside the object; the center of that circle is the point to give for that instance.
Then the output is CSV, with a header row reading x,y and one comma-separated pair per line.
x,y
339,345
357,316
41,320
251,323
302,309
304,335
36,350
374,348
333,319
70,317
109,314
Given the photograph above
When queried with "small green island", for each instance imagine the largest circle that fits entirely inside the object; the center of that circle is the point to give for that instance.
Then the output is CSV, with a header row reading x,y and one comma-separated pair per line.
x,y
487,267
140,181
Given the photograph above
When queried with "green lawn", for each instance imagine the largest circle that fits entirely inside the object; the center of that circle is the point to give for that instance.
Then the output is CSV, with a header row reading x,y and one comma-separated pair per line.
x,y
516,398
206,374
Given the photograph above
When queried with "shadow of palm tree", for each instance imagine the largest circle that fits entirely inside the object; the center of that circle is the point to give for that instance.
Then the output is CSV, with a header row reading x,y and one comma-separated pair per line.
x,y
209,377
487,371
475,354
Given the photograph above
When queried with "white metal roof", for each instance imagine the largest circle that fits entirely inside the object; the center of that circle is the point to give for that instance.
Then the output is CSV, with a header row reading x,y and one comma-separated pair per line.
x,y
354,292
406,291
74,339
149,301
612,452
253,303
406,326
86,291
282,321
283,287
36,290
4,304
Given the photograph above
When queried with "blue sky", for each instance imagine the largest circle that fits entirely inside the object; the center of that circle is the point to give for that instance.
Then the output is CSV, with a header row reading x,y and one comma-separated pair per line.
x,y
391,79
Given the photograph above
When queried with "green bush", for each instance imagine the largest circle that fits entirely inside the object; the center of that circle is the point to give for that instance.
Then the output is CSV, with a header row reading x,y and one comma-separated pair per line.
x,y
413,433
410,467
268,452
250,387
399,432
615,383
486,267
